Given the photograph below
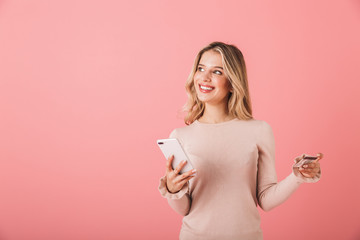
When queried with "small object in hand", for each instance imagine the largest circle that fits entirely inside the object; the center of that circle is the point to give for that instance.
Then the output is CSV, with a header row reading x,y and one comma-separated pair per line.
x,y
306,159
318,157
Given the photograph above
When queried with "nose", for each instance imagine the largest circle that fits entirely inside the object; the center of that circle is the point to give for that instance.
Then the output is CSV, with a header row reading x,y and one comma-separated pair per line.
x,y
206,76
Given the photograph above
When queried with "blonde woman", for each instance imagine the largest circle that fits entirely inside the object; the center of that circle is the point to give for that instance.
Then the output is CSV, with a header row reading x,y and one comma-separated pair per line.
x,y
232,153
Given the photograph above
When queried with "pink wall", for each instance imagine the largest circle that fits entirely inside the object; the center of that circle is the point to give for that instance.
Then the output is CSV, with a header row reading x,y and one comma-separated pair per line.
x,y
86,89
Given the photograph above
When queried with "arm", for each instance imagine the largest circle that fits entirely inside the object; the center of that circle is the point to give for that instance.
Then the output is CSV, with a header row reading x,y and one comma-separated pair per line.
x,y
271,193
180,202
179,198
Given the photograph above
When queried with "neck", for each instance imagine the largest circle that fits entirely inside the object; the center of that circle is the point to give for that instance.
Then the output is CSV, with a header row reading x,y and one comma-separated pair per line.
x,y
215,114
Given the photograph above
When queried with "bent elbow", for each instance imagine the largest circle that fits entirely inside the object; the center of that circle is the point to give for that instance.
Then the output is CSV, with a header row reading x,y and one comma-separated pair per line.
x,y
183,212
265,207
265,204
179,206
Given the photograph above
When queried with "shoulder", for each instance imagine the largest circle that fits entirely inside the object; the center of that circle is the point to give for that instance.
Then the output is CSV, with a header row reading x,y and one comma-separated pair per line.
x,y
260,128
258,125
264,126
264,132
178,132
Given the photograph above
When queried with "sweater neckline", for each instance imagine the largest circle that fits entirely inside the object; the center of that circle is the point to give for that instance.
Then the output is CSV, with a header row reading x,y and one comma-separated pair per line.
x,y
216,124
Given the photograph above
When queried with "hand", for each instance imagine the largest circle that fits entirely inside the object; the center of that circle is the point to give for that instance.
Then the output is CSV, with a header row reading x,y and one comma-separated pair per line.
x,y
174,180
310,169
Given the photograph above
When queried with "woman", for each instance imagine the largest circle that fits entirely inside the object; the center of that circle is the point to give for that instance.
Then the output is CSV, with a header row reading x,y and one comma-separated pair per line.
x,y
232,153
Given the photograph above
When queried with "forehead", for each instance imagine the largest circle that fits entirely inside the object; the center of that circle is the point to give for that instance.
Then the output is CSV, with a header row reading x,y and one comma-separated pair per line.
x,y
211,58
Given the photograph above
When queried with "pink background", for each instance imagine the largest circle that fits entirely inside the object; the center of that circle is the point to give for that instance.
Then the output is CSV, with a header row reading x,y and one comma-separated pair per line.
x,y
86,88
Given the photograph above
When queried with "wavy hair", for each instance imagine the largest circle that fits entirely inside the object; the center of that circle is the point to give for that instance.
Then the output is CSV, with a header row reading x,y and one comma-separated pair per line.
x,y
239,103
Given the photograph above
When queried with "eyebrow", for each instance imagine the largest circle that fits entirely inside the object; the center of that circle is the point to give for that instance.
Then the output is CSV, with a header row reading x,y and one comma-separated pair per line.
x,y
214,66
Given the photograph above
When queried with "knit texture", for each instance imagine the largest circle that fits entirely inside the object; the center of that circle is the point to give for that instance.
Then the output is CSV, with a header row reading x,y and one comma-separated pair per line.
x,y
235,162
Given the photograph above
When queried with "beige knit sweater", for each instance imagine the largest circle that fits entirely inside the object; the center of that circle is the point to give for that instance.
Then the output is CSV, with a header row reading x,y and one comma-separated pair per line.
x,y
235,162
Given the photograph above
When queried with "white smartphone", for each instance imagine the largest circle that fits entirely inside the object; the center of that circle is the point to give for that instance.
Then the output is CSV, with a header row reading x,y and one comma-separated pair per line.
x,y
171,146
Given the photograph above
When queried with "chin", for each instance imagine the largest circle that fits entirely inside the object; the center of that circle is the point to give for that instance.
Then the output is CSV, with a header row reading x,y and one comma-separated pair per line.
x,y
202,99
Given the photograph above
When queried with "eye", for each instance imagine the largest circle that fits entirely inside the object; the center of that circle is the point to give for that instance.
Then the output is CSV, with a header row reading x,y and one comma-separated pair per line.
x,y
217,72
200,69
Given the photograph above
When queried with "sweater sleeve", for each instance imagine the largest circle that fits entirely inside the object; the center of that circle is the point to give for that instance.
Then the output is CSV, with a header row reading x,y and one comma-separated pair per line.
x,y
271,193
180,201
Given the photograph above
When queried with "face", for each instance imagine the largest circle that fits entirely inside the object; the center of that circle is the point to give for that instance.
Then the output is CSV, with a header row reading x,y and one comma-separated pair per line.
x,y
211,84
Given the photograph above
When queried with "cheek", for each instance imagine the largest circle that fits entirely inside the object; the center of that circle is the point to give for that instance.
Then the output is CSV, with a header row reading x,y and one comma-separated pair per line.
x,y
224,84
195,83
196,78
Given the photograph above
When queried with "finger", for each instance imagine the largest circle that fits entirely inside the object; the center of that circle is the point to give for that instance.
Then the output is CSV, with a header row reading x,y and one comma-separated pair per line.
x,y
306,171
169,163
307,175
311,165
316,169
191,172
185,180
301,169
299,158
180,166
179,178
184,175
320,156
313,171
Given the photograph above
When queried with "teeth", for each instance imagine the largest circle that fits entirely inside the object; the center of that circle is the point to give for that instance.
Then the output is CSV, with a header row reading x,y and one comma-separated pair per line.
x,y
206,88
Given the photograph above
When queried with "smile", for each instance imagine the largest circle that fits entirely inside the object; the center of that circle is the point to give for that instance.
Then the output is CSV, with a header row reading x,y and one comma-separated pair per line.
x,y
204,88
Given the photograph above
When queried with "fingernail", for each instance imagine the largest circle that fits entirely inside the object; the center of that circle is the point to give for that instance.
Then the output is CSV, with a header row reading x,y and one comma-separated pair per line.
x,y
194,170
305,166
183,161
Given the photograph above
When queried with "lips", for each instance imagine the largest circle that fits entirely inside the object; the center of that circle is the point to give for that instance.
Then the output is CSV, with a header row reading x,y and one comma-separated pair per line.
x,y
205,88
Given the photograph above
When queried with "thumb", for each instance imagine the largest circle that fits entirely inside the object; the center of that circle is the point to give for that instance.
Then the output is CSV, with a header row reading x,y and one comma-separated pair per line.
x,y
297,159
319,156
169,163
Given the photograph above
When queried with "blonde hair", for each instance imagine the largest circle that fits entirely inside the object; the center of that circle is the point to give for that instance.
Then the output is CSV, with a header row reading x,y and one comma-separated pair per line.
x,y
239,103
